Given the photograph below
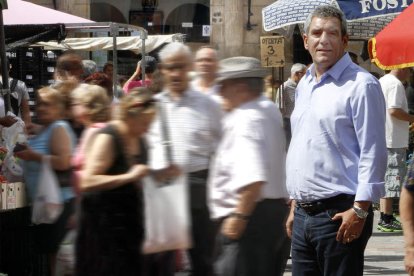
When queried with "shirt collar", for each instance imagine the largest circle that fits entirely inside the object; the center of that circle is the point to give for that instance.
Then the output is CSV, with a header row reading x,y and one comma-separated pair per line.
x,y
335,71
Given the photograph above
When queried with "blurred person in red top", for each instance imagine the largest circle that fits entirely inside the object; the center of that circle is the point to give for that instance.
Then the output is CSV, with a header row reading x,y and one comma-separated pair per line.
x,y
150,67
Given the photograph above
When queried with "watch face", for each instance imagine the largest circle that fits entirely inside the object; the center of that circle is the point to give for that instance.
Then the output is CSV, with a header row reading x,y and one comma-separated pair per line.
x,y
361,213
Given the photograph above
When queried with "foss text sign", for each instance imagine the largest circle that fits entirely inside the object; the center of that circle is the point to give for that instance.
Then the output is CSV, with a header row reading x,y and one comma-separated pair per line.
x,y
272,51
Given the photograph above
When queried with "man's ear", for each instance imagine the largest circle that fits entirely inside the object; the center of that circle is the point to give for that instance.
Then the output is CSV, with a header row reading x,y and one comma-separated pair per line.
x,y
345,40
305,41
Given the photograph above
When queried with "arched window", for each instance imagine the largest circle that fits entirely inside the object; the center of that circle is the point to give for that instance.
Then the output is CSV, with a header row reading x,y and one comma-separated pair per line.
x,y
189,19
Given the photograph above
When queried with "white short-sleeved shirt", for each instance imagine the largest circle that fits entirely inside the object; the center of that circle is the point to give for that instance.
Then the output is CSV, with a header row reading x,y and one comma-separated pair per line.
x,y
252,149
396,131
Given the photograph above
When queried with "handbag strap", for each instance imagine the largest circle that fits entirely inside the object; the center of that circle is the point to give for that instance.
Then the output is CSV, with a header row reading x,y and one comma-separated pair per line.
x,y
165,135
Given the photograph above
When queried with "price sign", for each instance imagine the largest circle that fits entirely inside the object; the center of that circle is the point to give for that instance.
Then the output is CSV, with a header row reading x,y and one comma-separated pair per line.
x,y
272,50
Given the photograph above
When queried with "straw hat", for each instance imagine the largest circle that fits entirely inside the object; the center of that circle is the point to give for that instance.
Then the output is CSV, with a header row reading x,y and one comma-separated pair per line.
x,y
240,67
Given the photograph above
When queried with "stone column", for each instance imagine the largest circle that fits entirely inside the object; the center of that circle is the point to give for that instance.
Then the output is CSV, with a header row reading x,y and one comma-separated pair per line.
x,y
227,27
233,28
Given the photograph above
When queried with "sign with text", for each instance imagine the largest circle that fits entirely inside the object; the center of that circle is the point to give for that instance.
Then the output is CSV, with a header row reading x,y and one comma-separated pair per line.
x,y
272,49
370,8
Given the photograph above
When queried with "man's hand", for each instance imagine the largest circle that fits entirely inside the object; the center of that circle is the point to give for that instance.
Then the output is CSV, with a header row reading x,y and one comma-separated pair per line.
x,y
233,227
351,227
409,260
289,221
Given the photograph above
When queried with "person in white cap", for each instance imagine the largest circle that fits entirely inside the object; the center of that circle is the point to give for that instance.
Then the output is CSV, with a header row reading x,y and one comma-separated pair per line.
x,y
247,193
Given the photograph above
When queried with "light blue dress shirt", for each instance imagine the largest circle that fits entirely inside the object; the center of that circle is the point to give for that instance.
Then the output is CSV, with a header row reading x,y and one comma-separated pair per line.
x,y
338,135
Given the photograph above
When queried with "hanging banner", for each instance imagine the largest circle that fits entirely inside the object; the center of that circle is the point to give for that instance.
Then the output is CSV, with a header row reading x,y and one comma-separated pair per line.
x,y
370,8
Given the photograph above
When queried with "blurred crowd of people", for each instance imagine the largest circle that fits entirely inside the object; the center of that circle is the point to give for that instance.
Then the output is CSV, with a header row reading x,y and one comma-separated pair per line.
x,y
266,180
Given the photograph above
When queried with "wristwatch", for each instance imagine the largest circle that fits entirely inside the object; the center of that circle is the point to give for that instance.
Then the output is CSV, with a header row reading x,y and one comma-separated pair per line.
x,y
361,213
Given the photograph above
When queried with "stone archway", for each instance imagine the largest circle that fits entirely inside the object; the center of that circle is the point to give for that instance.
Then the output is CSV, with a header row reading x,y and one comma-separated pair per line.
x,y
104,12
197,14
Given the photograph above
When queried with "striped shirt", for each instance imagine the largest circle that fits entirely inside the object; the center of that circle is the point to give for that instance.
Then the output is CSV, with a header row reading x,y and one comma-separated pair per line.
x,y
194,129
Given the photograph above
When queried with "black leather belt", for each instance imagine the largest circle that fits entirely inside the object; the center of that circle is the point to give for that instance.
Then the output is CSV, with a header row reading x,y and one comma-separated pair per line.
x,y
318,206
200,174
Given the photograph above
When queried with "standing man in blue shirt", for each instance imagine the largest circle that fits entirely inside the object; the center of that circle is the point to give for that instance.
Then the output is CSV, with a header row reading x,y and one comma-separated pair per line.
x,y
337,157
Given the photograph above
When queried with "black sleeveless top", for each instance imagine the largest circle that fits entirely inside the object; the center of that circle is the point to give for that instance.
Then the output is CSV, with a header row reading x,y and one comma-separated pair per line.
x,y
111,222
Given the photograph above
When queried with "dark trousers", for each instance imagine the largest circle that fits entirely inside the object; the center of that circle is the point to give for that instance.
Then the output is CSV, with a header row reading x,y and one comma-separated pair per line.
x,y
202,228
262,250
315,250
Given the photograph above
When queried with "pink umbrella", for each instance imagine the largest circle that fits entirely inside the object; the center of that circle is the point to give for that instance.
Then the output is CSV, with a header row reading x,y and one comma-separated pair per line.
x,y
26,13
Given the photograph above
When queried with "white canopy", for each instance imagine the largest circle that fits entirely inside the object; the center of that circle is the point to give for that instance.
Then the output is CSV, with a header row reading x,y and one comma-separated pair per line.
x,y
132,43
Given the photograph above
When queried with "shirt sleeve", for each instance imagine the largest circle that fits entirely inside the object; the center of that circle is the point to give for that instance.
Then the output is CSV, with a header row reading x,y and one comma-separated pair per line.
x,y
396,96
368,113
23,88
249,155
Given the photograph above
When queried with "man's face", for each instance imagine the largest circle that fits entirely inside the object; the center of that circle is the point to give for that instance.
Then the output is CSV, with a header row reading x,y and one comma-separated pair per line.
x,y
206,62
109,71
230,95
298,75
175,73
325,42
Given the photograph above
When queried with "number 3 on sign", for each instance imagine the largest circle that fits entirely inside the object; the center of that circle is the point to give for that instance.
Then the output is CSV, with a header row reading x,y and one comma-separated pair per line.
x,y
270,50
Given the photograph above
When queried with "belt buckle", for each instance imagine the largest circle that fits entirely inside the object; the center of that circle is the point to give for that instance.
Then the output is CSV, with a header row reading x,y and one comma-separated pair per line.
x,y
311,208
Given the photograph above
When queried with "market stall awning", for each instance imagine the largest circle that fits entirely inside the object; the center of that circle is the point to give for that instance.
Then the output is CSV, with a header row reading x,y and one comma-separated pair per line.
x,y
26,23
393,47
365,18
106,43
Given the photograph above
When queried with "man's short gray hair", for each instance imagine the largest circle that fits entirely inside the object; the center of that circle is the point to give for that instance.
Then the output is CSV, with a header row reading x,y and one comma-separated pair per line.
x,y
89,67
325,12
297,67
174,49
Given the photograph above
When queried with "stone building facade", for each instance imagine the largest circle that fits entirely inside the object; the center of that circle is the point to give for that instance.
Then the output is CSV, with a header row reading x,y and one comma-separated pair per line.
x,y
233,31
